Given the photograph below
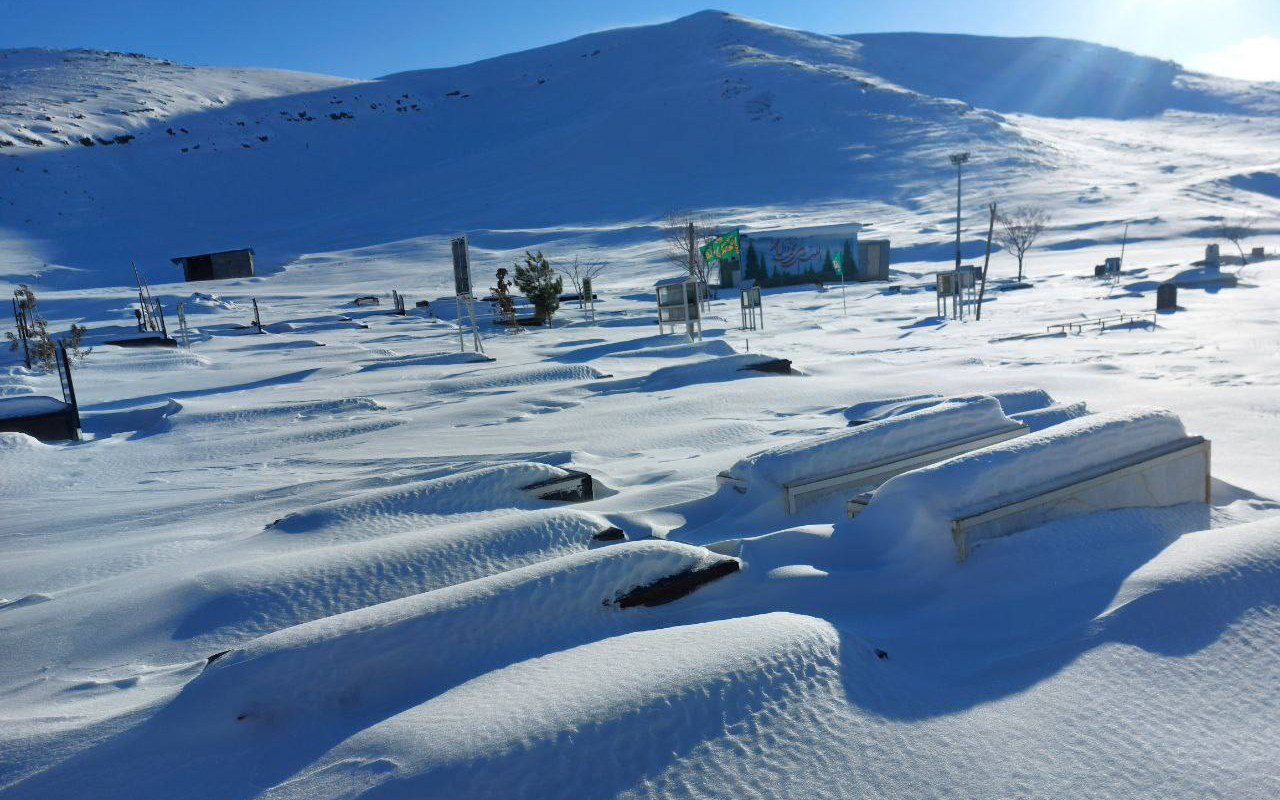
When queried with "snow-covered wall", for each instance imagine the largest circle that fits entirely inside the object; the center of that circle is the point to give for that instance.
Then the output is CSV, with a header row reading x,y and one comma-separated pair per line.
x,y
936,426
909,517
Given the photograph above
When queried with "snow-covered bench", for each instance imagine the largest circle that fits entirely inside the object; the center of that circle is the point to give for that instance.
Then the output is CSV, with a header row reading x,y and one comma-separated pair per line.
x,y
45,418
1101,323
866,456
1126,459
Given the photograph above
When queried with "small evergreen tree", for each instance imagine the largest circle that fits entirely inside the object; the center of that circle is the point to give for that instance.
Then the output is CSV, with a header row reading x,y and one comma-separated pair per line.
x,y
847,261
40,342
752,269
828,266
539,282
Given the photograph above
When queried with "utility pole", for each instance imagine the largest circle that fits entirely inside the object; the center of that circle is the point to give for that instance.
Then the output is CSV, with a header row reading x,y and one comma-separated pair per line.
x,y
991,229
958,159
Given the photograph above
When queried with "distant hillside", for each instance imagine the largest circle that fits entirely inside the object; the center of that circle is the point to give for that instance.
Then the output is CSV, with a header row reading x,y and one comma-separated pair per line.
x,y
51,98
110,158
1054,77
711,110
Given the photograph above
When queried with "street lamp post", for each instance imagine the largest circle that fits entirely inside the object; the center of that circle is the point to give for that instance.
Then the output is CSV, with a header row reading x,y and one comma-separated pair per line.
x,y
959,160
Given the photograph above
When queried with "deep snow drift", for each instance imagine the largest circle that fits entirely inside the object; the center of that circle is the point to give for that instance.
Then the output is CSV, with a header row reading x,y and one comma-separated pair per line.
x,y
302,563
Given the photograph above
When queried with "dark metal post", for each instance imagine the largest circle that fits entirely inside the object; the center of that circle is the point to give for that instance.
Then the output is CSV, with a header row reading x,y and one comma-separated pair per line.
x,y
958,160
164,329
991,228
20,320
68,388
257,320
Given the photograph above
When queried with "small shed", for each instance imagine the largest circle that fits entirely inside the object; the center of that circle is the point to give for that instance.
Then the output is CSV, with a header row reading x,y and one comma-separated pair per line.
x,y
873,260
217,266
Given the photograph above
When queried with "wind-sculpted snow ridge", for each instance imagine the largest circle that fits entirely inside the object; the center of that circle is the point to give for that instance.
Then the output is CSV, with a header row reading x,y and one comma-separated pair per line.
x,y
1012,401
274,592
303,409
498,378
908,519
420,503
407,650
735,708
1038,419
951,420
711,370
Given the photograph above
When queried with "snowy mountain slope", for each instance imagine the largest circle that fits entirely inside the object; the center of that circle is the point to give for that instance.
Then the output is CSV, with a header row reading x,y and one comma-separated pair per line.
x,y
52,98
1054,77
337,502
711,110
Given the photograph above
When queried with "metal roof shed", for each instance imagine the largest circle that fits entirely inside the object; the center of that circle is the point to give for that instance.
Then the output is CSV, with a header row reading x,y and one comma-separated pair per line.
x,y
217,266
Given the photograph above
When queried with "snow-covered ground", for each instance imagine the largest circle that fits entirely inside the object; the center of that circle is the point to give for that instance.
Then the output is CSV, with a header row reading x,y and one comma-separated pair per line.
x,y
337,503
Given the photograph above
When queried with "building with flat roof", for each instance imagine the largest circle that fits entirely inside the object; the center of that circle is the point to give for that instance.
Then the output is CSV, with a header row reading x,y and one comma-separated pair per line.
x,y
217,266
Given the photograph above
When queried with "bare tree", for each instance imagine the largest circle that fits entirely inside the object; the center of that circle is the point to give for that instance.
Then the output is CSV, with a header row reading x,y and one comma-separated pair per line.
x,y
1019,230
683,233
1236,231
582,269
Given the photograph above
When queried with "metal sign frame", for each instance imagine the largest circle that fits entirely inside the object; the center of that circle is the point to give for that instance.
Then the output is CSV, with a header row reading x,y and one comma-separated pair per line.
x,y
461,265
462,286
749,300
68,387
688,307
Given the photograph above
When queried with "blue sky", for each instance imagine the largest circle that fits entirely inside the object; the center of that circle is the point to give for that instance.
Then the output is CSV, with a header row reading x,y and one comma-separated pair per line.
x,y
376,37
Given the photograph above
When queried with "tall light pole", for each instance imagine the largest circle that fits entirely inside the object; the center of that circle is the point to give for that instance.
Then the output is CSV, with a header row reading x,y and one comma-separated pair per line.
x,y
959,160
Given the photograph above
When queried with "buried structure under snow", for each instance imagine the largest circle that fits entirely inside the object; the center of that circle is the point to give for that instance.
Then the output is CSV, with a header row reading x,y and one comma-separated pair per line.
x,y
1127,459
45,418
574,487
864,457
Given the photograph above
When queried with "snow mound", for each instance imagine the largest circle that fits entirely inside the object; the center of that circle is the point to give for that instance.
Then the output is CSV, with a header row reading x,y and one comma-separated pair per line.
x,y
1038,419
713,370
305,409
1012,401
416,647
20,443
1193,581
147,359
278,591
29,405
908,519
515,378
944,423
399,508
713,347
429,359
33,599
731,695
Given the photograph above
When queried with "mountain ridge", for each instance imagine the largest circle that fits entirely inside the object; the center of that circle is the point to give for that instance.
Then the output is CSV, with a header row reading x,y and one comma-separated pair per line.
x,y
712,111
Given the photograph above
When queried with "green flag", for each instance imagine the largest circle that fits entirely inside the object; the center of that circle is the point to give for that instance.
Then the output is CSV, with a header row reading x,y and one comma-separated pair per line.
x,y
836,262
722,247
